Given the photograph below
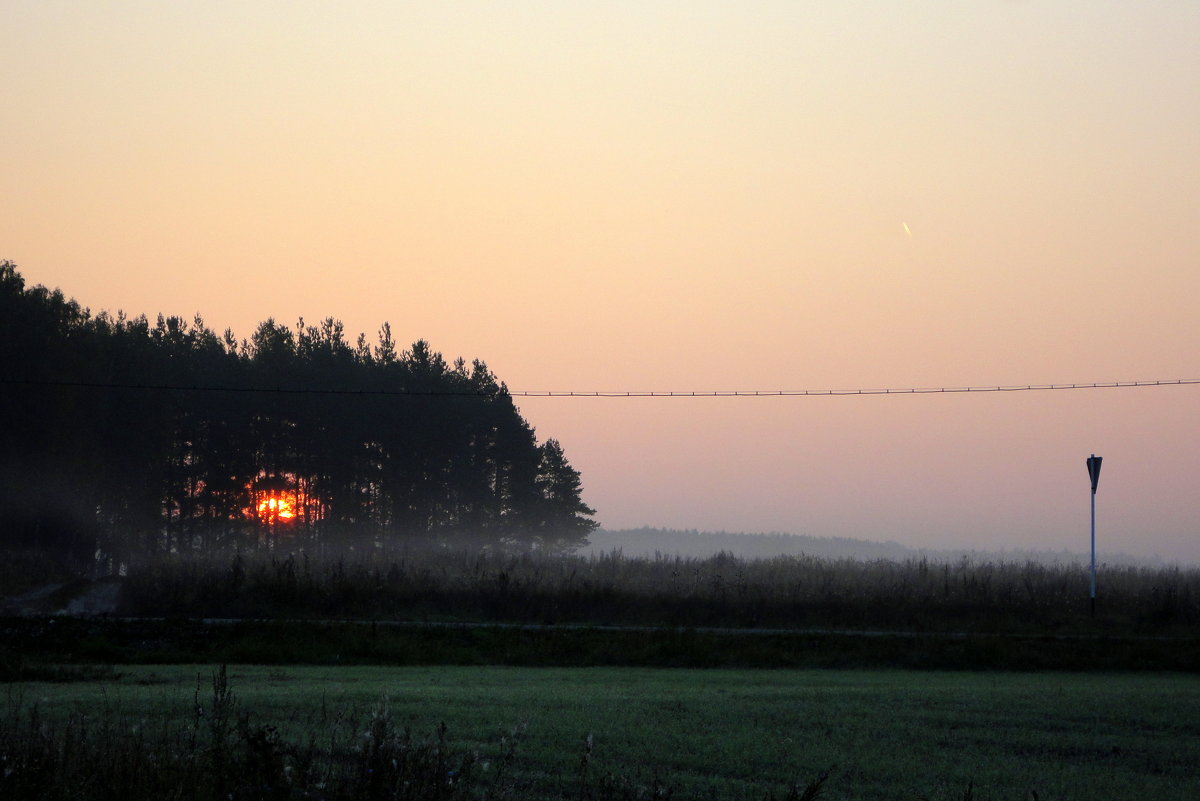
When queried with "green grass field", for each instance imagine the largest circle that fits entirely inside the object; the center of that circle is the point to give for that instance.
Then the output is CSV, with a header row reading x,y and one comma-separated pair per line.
x,y
720,733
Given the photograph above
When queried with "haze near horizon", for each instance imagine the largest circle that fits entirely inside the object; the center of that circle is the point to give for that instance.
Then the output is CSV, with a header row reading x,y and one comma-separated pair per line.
x,y
676,197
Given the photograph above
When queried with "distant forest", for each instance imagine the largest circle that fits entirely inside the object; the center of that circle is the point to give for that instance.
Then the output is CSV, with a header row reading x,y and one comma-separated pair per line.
x,y
642,542
124,438
647,542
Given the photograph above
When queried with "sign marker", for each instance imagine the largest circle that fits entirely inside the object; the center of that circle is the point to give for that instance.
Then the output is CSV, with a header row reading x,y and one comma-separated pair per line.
x,y
1093,466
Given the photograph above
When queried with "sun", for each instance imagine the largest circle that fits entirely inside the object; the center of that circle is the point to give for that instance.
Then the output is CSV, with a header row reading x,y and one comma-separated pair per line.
x,y
276,510
272,500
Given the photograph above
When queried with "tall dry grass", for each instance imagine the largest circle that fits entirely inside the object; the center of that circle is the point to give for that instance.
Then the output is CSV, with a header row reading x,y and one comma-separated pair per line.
x,y
720,591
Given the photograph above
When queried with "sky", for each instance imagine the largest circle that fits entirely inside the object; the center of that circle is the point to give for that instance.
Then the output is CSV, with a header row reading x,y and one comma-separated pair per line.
x,y
676,196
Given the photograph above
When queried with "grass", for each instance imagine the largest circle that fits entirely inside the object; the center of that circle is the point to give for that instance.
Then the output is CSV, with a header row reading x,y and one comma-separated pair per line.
x,y
715,733
720,591
34,648
365,710
219,752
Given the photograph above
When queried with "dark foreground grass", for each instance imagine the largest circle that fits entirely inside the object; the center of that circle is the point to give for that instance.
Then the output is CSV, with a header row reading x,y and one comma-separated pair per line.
x,y
33,647
627,733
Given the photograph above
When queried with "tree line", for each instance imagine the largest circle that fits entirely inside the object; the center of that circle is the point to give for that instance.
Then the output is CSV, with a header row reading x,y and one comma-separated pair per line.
x,y
123,437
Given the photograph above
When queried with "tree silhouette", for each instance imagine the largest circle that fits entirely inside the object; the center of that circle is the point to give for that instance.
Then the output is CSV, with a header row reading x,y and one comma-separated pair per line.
x,y
126,439
565,517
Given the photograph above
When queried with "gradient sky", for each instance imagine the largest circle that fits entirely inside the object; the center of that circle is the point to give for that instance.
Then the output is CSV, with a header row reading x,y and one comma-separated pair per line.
x,y
676,196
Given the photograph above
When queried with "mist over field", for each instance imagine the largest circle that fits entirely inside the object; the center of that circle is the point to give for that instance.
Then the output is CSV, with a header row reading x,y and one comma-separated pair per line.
x,y
647,542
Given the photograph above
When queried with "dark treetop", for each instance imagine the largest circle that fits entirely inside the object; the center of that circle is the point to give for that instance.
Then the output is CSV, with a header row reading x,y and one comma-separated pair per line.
x,y
123,438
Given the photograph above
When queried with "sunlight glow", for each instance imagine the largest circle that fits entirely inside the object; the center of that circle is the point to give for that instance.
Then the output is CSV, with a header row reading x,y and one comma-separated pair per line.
x,y
275,510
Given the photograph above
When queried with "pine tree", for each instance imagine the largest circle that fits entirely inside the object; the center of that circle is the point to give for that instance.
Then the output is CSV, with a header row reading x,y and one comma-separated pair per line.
x,y
565,519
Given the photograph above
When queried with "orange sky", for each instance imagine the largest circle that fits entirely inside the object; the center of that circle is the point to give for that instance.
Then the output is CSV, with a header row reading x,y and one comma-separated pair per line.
x,y
676,196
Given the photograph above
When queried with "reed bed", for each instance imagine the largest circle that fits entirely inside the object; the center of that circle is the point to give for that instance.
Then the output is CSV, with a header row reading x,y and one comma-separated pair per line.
x,y
787,592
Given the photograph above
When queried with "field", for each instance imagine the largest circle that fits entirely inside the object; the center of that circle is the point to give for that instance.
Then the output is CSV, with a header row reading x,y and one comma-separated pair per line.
x,y
718,591
443,675
700,733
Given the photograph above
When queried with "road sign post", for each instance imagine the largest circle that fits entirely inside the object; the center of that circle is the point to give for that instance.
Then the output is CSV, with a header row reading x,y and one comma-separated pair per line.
x,y
1093,466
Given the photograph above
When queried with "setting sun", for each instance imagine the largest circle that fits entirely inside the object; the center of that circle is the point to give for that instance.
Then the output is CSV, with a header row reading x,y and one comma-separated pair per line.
x,y
275,510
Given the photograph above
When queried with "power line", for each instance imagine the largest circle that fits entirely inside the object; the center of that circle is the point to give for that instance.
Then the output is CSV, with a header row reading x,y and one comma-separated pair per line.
x,y
838,392
604,394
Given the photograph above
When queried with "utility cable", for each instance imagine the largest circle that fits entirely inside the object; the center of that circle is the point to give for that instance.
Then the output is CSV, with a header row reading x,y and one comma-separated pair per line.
x,y
737,393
